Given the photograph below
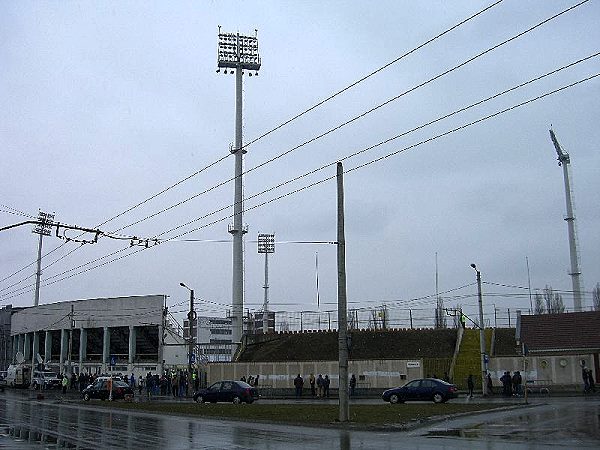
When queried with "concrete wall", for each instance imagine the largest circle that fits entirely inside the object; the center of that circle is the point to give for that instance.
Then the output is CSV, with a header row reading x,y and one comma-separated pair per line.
x,y
554,369
279,375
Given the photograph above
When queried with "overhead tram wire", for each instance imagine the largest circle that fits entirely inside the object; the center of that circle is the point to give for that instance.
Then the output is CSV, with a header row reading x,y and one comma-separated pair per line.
x,y
462,127
385,66
379,144
365,113
287,122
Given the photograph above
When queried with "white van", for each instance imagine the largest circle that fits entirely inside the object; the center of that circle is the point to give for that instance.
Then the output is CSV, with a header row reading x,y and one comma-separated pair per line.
x,y
18,375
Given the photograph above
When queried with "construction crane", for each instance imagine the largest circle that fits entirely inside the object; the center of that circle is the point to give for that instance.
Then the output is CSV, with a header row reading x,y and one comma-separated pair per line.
x,y
565,161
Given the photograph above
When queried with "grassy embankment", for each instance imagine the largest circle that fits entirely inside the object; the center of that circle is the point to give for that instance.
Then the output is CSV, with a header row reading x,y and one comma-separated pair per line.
x,y
307,414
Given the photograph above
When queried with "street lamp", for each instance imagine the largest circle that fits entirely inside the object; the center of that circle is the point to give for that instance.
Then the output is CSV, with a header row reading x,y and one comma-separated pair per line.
x,y
481,333
191,320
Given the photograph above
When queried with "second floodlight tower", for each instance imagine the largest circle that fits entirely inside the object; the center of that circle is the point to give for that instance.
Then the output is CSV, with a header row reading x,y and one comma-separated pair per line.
x,y
238,53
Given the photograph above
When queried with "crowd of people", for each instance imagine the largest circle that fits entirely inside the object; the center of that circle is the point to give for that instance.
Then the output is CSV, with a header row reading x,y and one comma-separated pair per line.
x,y
319,386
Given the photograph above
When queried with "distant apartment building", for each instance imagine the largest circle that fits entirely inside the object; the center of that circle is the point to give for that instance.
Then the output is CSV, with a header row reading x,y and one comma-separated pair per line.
x,y
213,334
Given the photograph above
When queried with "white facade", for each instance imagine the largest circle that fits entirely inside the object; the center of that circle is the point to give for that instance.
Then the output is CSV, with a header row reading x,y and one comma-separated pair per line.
x,y
122,334
214,338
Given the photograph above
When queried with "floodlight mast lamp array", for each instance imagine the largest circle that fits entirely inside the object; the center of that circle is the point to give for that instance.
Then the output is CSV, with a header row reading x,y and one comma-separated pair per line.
x,y
237,52
43,228
266,245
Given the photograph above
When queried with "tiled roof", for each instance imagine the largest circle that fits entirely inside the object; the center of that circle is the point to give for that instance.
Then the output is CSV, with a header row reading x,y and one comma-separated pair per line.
x,y
566,331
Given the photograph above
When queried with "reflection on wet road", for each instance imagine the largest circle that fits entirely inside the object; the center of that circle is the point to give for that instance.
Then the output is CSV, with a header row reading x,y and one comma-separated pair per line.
x,y
29,423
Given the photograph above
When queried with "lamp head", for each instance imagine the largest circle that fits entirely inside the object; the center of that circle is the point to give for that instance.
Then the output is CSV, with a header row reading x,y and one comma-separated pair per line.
x,y
474,266
182,285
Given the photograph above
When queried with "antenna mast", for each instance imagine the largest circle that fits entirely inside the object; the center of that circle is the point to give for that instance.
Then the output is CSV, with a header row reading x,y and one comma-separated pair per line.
x,y
565,162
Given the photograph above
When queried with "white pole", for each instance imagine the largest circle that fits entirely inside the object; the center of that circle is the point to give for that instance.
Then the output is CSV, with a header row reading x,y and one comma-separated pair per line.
x,y
342,306
266,301
38,273
237,231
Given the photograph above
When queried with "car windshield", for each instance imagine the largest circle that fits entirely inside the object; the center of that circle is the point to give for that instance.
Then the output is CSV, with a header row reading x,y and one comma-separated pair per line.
x,y
243,384
120,384
48,375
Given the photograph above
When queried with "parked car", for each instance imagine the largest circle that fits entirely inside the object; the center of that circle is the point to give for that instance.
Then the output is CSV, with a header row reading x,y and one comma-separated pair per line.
x,y
227,391
422,389
45,380
100,389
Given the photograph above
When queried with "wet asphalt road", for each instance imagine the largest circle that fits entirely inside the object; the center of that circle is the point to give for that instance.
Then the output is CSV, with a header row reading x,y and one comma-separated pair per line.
x,y
28,423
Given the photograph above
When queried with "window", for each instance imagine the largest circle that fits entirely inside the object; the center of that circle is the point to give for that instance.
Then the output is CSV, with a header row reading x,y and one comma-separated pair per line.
x,y
220,330
227,386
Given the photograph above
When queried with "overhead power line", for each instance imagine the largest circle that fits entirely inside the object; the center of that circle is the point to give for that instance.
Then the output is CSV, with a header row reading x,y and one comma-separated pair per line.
x,y
420,143
366,113
320,103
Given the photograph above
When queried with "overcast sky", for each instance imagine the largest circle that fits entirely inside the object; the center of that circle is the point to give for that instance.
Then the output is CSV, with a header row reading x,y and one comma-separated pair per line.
x,y
104,104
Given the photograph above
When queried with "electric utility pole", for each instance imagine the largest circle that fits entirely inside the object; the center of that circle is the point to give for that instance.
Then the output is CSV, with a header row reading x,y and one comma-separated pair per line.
x,y
342,304
43,229
238,53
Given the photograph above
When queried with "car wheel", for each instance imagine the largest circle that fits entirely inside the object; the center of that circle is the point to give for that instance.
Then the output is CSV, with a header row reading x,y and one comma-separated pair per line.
x,y
86,397
394,398
237,400
199,399
438,398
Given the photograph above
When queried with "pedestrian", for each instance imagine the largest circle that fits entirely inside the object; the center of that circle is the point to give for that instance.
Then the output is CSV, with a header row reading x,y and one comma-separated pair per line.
x,y
516,383
149,384
65,384
446,377
298,384
586,380
326,382
490,385
175,384
243,378
352,385
470,385
311,381
320,386
256,381
591,384
196,381
132,381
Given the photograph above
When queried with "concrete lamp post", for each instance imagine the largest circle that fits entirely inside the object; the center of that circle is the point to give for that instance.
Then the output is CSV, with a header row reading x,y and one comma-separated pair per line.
x,y
481,333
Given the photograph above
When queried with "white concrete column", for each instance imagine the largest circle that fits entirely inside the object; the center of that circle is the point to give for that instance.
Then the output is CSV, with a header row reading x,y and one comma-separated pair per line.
x,y
105,349
82,347
64,348
36,349
15,346
48,346
131,345
27,347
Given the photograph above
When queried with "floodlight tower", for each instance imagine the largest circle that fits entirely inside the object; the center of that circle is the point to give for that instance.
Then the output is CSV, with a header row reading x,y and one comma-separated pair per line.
x,y
565,162
238,53
43,227
266,245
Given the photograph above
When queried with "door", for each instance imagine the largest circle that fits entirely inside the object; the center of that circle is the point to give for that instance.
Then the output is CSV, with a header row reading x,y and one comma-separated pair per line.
x,y
227,391
412,390
212,393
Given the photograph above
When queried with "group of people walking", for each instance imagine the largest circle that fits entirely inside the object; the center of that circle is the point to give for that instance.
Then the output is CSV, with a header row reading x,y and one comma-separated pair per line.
x,y
319,386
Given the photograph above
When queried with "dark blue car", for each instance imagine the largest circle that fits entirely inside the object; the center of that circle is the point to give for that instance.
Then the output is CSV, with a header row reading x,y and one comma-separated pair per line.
x,y
426,389
227,391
